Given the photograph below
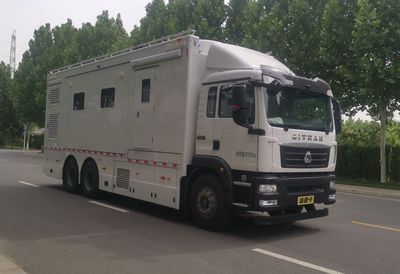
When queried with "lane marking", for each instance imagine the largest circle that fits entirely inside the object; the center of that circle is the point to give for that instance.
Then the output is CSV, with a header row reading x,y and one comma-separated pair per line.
x,y
80,236
376,226
295,261
28,184
109,206
2,160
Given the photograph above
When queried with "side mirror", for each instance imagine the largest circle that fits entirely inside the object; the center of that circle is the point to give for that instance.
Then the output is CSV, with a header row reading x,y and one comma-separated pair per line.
x,y
337,116
239,105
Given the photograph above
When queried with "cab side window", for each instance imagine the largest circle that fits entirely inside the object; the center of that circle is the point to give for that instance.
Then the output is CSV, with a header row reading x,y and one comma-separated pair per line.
x,y
225,104
211,102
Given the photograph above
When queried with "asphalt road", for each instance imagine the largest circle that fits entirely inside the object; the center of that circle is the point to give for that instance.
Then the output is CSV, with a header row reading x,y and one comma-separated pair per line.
x,y
47,230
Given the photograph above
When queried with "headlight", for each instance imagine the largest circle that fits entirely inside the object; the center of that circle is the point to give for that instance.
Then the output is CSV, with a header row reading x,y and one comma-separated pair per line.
x,y
267,188
332,184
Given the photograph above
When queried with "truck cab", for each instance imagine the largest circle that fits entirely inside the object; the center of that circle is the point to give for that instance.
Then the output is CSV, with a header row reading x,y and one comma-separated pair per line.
x,y
271,133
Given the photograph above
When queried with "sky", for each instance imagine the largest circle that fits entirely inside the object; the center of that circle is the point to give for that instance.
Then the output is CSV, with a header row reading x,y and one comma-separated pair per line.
x,y
25,16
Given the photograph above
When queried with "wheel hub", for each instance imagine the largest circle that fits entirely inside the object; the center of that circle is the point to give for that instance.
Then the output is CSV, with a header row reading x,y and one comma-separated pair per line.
x,y
206,203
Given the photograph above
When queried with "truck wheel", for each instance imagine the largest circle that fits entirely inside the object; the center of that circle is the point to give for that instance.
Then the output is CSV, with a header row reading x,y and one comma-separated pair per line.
x,y
90,179
71,176
208,203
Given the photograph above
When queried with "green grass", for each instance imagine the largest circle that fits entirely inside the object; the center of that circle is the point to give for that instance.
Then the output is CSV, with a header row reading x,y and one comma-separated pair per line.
x,y
361,182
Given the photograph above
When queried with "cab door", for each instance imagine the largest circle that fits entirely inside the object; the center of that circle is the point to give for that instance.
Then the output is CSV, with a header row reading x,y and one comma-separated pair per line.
x,y
145,87
232,142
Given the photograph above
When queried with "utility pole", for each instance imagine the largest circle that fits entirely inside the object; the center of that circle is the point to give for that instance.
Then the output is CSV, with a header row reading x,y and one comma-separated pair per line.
x,y
13,53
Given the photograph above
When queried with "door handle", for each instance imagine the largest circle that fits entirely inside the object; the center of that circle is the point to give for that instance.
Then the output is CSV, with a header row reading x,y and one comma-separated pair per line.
x,y
216,144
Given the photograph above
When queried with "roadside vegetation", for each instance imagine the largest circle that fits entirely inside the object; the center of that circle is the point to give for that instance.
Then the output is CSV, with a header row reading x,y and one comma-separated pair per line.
x,y
358,149
353,45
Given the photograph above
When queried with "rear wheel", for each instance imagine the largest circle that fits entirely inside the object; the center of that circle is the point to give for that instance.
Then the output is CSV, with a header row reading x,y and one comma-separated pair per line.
x,y
209,203
90,179
71,176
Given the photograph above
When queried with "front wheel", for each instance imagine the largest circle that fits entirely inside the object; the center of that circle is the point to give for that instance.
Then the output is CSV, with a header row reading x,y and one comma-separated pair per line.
x,y
209,203
90,180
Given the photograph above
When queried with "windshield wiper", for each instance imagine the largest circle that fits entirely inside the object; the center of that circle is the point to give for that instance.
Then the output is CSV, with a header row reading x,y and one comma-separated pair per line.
x,y
286,127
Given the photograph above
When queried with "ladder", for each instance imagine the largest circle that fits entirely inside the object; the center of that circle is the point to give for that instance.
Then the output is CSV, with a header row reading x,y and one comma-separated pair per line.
x,y
140,46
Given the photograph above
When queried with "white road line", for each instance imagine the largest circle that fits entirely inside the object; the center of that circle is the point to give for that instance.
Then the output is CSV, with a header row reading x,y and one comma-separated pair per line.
x,y
2,160
111,207
28,184
295,261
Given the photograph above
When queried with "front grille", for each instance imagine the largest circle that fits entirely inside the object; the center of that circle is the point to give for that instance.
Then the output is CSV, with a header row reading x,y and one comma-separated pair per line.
x,y
294,157
305,188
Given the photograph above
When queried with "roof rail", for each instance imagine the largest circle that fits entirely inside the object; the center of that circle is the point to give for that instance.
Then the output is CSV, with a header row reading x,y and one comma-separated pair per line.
x,y
143,45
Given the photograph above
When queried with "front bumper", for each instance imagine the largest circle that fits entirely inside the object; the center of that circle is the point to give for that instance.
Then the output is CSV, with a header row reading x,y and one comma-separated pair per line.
x,y
289,189
289,218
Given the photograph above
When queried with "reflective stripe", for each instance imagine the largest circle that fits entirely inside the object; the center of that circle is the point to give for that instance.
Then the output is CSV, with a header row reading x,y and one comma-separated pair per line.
x,y
114,154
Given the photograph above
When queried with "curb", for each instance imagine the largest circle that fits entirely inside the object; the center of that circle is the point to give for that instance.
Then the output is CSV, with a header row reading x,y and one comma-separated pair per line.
x,y
8,267
382,193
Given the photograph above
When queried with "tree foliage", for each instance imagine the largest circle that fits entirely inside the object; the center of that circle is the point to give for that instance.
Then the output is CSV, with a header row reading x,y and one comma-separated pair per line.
x,y
8,122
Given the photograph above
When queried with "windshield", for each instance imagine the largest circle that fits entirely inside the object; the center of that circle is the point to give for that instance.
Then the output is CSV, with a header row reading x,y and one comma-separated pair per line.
x,y
295,108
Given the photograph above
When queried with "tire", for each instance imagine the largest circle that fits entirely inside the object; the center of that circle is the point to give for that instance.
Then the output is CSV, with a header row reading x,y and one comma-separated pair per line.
x,y
209,203
71,176
90,180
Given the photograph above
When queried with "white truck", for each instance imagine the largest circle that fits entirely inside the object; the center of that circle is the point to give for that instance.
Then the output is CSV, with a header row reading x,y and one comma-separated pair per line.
x,y
202,126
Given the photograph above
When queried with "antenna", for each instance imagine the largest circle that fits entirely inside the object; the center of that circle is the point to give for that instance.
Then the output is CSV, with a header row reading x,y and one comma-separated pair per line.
x,y
12,53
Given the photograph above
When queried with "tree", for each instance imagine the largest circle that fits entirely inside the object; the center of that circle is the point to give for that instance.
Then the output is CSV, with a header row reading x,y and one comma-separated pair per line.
x,y
30,78
235,22
8,122
359,133
376,45
180,15
253,13
208,19
107,35
393,133
65,44
337,59
153,25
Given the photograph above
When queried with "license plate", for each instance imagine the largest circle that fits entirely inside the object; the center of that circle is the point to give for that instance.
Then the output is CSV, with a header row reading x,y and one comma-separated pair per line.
x,y
305,200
